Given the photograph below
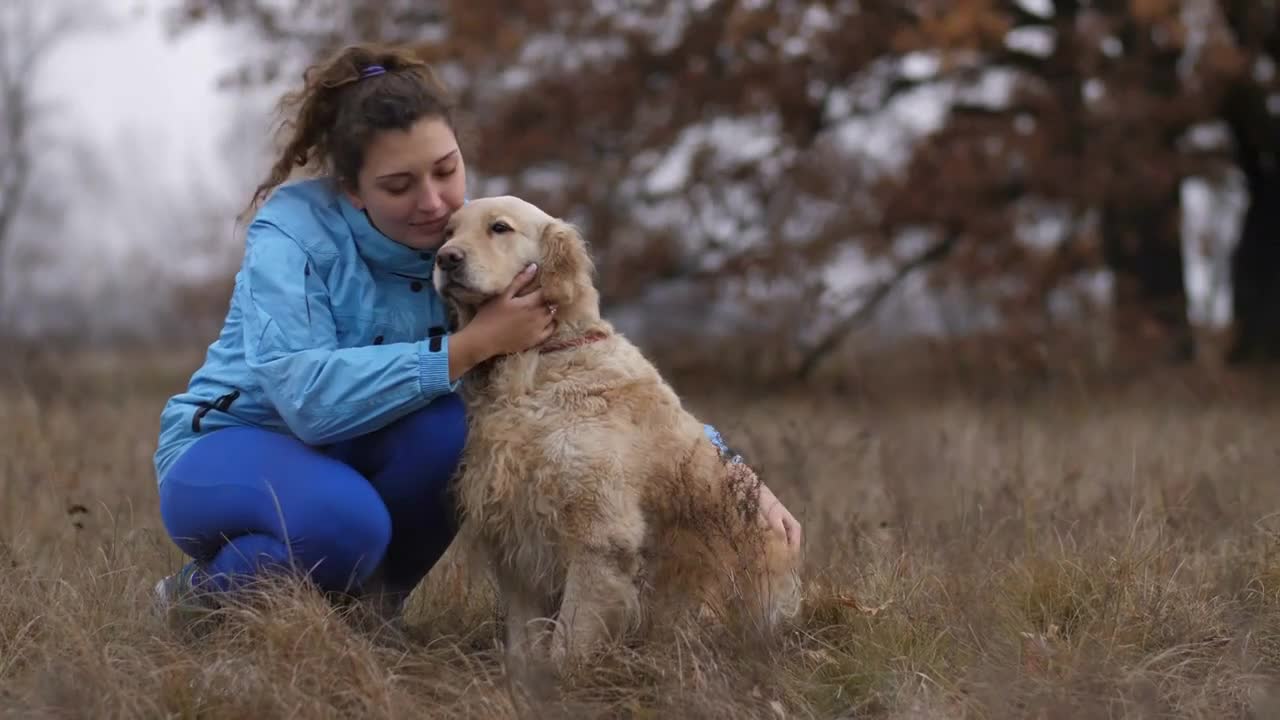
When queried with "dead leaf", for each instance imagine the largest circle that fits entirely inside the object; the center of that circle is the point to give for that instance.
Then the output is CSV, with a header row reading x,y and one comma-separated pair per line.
x,y
851,602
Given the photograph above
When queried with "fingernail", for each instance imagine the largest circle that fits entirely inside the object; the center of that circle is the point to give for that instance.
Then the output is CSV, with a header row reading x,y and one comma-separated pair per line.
x,y
532,267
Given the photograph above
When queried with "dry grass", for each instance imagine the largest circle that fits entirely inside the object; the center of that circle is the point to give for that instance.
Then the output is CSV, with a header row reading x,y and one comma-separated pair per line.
x,y
1076,554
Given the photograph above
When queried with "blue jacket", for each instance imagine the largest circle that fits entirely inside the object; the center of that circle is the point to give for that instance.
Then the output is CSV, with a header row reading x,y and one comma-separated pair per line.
x,y
334,330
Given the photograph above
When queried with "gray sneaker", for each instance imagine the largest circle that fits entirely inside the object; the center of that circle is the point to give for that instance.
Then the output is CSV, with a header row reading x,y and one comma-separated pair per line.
x,y
178,601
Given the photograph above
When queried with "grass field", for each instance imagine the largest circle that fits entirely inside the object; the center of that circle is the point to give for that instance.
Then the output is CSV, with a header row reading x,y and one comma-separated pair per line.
x,y
1074,553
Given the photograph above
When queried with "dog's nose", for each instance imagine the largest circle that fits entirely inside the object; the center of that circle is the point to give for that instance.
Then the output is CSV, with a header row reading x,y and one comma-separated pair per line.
x,y
449,259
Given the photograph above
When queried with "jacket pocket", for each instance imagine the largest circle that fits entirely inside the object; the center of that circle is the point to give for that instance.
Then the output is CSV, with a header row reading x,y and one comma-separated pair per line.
x,y
362,330
222,404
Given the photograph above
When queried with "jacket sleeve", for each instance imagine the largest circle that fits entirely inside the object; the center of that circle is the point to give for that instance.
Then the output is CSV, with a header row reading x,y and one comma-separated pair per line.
x,y
726,452
324,393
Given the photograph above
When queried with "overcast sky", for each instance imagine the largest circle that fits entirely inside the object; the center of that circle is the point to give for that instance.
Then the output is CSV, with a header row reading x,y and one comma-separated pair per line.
x,y
132,170
131,76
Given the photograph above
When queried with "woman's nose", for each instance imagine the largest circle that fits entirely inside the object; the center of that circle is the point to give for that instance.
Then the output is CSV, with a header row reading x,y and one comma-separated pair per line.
x,y
429,200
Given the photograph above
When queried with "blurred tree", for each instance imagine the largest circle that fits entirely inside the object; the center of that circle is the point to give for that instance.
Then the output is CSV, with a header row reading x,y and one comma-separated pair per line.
x,y
29,32
1130,84
1011,149
1251,107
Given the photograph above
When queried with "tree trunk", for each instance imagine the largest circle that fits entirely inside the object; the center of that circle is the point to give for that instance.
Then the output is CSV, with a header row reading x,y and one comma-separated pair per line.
x,y
1151,301
1255,264
1255,274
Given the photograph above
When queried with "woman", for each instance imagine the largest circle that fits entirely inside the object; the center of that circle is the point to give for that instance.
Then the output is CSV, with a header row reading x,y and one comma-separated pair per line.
x,y
323,427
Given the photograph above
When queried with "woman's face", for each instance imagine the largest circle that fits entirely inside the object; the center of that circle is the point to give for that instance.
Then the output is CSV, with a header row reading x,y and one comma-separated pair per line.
x,y
411,182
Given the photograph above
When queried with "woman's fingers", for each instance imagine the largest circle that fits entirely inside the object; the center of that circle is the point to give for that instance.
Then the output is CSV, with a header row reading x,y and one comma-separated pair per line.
x,y
521,282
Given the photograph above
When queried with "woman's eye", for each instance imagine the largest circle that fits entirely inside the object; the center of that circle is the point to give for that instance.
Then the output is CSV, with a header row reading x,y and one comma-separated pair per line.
x,y
500,227
398,189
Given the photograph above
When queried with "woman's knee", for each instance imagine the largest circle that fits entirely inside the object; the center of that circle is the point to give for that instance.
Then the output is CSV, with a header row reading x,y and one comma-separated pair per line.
x,y
330,520
341,537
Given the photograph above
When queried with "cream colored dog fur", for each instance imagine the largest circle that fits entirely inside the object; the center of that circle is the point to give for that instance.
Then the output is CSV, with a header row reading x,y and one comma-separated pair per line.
x,y
596,496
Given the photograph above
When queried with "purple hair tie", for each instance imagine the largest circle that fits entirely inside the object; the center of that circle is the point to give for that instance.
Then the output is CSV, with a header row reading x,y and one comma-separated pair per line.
x,y
372,71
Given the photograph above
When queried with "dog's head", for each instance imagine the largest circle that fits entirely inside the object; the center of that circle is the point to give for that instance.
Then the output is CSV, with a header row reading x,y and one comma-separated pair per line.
x,y
488,241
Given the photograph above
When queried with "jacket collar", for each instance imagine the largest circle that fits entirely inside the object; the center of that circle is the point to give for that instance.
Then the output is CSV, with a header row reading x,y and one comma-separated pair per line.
x,y
380,251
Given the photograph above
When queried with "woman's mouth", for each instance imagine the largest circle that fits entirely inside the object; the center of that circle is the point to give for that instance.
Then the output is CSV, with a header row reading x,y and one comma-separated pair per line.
x,y
430,225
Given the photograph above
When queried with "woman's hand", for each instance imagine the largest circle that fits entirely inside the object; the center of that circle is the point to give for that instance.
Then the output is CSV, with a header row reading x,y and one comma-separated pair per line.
x,y
778,518
516,320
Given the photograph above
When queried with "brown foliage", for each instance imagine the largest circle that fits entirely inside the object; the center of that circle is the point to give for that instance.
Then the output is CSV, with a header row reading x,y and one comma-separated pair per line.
x,y
577,104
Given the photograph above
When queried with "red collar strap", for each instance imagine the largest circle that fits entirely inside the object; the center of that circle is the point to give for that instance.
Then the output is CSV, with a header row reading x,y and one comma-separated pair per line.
x,y
591,336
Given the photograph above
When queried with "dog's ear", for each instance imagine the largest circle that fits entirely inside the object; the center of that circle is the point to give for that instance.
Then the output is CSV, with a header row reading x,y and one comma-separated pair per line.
x,y
566,266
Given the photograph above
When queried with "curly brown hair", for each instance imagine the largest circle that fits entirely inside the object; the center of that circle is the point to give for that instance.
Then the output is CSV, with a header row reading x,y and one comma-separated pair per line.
x,y
334,116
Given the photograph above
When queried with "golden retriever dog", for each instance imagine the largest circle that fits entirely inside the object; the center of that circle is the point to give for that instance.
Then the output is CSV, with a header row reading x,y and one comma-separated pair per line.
x,y
597,498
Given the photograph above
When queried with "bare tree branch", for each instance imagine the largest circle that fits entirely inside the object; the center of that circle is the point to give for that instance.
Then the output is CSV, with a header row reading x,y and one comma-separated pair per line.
x,y
809,362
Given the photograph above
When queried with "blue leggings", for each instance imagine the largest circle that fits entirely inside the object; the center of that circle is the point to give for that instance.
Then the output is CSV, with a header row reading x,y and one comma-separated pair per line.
x,y
241,500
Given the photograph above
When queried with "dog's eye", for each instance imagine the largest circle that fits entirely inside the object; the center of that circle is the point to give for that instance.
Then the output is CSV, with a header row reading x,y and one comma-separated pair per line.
x,y
448,233
500,227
